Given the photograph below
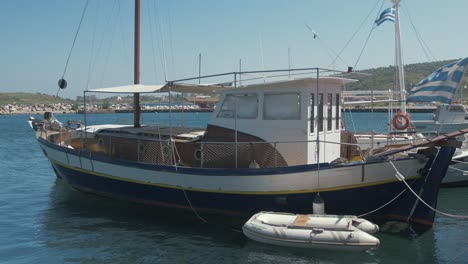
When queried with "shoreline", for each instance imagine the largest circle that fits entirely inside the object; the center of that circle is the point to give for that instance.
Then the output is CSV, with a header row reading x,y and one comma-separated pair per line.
x,y
201,110
108,111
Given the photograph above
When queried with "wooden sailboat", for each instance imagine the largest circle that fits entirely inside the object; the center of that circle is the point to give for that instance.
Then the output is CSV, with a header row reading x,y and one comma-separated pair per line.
x,y
269,146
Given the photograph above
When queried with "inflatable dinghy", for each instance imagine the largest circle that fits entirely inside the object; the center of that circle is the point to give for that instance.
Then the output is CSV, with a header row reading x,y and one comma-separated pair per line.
x,y
312,231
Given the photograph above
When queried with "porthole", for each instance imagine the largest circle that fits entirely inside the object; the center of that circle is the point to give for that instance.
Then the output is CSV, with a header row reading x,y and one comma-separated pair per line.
x,y
141,148
101,142
197,154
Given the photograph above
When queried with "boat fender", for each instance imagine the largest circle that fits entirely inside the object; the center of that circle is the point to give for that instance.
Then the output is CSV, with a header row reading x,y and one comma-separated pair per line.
x,y
401,121
254,165
318,205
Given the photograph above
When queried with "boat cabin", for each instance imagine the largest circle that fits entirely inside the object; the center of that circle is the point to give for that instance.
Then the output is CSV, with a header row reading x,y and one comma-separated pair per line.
x,y
290,115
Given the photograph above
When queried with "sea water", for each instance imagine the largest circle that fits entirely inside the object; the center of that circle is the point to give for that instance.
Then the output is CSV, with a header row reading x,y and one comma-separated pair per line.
x,y
43,220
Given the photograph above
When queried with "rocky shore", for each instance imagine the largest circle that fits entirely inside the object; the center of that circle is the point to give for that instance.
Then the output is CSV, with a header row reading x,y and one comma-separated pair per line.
x,y
63,108
12,109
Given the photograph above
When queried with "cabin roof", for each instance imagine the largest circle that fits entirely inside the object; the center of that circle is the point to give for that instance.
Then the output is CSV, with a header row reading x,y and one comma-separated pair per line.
x,y
337,81
168,87
212,88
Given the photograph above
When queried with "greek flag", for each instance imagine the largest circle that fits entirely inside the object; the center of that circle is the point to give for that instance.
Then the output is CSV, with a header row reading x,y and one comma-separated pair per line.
x,y
441,85
387,15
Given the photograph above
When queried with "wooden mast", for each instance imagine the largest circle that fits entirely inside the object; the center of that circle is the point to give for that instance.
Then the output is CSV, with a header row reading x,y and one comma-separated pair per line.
x,y
136,96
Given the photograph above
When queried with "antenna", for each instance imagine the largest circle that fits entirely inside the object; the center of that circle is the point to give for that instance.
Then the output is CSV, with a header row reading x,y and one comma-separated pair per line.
x,y
261,57
240,72
199,68
289,62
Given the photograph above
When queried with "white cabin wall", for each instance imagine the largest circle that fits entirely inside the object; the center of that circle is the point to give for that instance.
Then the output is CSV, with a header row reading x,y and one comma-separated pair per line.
x,y
328,151
285,131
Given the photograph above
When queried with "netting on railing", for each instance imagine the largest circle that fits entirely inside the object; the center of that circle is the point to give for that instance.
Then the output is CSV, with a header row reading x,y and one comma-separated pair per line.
x,y
155,152
198,153
240,155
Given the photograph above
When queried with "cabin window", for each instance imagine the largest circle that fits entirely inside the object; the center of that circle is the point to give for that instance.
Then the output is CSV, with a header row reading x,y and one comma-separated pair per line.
x,y
456,108
320,113
329,112
245,105
337,111
282,106
312,113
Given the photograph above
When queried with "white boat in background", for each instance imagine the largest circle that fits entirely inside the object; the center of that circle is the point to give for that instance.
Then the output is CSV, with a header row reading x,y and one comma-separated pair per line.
x,y
446,118
332,232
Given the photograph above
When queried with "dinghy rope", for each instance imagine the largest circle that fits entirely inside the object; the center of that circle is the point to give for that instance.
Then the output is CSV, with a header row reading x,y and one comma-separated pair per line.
x,y
402,178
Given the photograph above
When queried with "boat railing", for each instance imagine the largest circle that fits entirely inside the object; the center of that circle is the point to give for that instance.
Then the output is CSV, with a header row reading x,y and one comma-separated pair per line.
x,y
202,154
243,78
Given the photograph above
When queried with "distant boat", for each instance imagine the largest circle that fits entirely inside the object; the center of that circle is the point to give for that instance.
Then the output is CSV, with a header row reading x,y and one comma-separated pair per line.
x,y
269,146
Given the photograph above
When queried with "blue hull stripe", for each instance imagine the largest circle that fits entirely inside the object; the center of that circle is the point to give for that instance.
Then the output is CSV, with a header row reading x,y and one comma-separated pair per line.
x,y
354,201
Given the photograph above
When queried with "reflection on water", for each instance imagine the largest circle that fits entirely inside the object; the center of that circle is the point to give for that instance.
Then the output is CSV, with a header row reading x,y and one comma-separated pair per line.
x,y
85,228
117,230
42,220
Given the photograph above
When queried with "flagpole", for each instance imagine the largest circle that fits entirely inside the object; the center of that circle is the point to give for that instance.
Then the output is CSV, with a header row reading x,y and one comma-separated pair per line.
x,y
401,72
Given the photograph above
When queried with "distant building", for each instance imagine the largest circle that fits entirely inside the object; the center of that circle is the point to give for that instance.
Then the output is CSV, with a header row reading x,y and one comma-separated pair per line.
x,y
202,101
89,98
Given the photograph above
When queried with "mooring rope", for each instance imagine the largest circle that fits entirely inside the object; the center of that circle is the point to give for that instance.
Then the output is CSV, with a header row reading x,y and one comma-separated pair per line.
x,y
193,209
201,218
389,202
400,177
459,161
464,171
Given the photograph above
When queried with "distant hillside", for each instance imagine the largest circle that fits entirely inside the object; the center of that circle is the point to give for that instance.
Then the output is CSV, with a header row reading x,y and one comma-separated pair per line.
x,y
382,78
30,99
385,78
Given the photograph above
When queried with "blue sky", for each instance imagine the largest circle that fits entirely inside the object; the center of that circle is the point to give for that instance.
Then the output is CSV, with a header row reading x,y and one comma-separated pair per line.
x,y
36,37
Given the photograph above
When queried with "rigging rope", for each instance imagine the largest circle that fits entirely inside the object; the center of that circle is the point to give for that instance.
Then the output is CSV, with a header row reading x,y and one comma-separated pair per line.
x,y
106,59
150,22
421,41
368,36
354,34
96,55
402,178
92,46
329,50
74,41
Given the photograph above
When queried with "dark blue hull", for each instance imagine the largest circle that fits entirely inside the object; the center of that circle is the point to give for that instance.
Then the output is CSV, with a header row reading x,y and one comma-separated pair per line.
x,y
353,201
